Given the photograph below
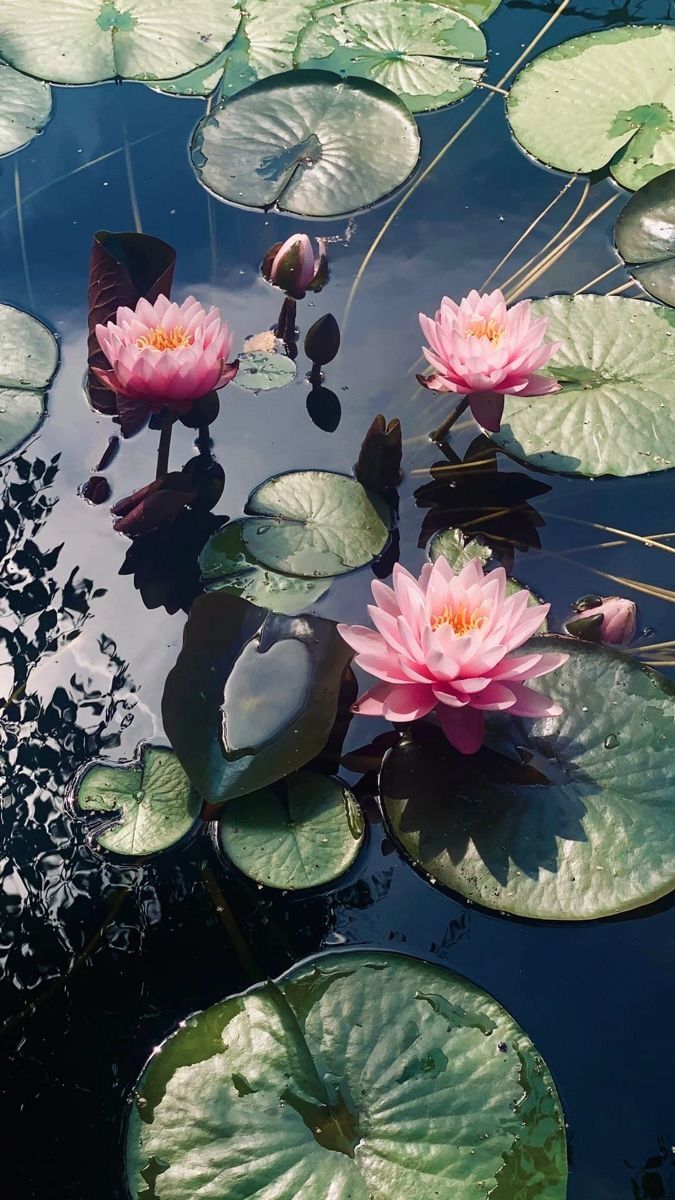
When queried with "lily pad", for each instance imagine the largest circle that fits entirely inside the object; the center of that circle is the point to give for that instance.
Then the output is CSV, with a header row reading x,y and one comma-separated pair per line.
x,y
457,549
614,415
227,566
308,142
613,106
573,818
25,108
305,831
253,695
413,48
153,798
260,371
29,356
321,524
645,237
87,41
359,1076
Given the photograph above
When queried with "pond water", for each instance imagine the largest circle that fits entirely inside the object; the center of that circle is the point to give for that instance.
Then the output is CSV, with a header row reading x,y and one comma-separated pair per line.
x,y
102,956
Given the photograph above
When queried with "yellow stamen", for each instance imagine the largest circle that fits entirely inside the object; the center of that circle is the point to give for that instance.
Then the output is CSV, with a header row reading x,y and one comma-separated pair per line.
x,y
461,620
488,329
164,339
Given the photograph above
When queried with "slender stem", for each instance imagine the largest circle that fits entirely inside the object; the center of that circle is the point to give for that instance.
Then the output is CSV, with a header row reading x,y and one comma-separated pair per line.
x,y
285,329
164,446
439,435
543,251
598,279
532,226
316,375
560,249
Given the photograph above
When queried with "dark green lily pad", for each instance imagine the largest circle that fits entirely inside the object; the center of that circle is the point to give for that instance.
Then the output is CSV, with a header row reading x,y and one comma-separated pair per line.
x,y
29,356
227,566
305,831
152,797
614,103
565,818
253,695
25,108
308,142
645,237
260,371
617,370
359,1076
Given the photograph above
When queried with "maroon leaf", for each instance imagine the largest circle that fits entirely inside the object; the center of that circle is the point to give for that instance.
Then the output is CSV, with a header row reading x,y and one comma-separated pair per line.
x,y
379,465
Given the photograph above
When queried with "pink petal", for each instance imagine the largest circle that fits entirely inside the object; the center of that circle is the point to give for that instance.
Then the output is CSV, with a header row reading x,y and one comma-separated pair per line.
x,y
464,729
532,704
487,409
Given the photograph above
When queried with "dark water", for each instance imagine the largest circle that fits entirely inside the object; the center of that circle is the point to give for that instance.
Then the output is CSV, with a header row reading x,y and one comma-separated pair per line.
x,y
102,958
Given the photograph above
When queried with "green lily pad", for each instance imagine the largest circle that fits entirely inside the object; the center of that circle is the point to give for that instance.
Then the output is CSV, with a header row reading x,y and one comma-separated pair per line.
x,y
413,48
87,41
359,1076
153,798
565,818
227,566
305,831
308,142
645,237
253,695
25,108
29,356
614,415
614,103
260,371
457,549
321,524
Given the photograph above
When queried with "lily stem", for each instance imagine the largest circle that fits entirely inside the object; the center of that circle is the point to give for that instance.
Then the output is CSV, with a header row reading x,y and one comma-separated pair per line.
x,y
439,435
285,329
164,446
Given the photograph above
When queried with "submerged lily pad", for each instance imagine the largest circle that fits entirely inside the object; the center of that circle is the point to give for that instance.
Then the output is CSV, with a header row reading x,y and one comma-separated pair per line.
x,y
86,41
576,822
321,524
359,1076
308,142
29,356
253,695
413,48
305,831
614,103
25,108
645,237
614,415
260,371
227,566
153,798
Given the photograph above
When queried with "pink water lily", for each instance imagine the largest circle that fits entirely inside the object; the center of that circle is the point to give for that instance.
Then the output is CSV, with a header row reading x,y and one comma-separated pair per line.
x,y
295,267
165,354
612,620
485,351
444,643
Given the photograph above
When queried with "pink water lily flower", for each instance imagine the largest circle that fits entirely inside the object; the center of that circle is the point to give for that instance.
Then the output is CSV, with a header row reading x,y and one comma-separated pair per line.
x,y
165,354
612,620
485,351
295,267
444,643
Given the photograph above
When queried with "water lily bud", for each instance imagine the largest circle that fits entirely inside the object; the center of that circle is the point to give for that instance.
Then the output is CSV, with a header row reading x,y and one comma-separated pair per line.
x,y
612,621
322,340
294,267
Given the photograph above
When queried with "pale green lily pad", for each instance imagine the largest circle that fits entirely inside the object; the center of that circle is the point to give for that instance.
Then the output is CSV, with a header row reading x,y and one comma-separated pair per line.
x,y
227,566
304,832
359,1076
260,371
153,797
321,524
593,835
25,108
87,41
603,99
413,48
457,549
29,356
614,415
309,143
645,237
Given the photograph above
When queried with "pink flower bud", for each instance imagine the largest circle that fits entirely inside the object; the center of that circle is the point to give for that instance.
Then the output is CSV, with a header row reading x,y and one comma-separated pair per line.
x,y
612,621
294,267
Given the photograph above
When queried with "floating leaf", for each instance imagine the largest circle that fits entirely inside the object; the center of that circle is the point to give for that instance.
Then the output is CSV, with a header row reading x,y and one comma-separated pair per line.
x,y
29,356
645,237
321,524
260,371
359,1076
617,369
305,831
25,108
408,46
614,102
153,798
227,566
91,40
308,142
253,695
458,550
594,834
